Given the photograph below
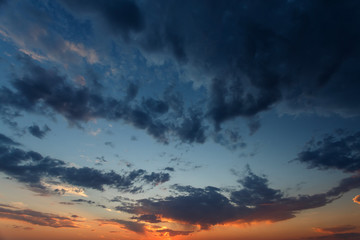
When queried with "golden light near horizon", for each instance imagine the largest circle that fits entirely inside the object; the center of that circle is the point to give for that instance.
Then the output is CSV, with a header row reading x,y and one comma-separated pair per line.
x,y
179,120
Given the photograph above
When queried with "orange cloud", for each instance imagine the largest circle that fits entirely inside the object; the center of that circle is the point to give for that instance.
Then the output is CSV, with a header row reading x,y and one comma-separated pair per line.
x,y
356,199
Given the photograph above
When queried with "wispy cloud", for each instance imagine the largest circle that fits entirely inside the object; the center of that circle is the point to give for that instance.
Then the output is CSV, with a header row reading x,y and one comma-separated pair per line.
x,y
33,169
36,218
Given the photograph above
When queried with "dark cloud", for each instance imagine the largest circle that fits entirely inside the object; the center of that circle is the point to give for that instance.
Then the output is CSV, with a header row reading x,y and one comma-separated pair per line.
x,y
131,91
256,54
129,225
256,201
31,167
261,54
192,128
173,233
83,201
254,125
230,138
4,140
21,227
170,169
66,203
100,161
110,144
122,16
46,91
333,152
229,101
150,218
37,132
80,201
36,218
156,106
338,236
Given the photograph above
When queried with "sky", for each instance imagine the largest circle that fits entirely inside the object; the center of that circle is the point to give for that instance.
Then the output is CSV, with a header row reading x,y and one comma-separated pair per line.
x,y
177,120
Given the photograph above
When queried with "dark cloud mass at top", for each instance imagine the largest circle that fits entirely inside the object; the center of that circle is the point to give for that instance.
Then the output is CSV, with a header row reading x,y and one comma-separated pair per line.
x,y
257,54
260,53
251,56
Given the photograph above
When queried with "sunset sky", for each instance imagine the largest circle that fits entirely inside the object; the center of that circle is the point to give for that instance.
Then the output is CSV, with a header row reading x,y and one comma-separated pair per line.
x,y
179,119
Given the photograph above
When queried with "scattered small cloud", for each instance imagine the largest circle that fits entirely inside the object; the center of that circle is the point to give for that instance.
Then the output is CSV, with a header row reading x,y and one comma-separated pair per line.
x,y
36,131
109,144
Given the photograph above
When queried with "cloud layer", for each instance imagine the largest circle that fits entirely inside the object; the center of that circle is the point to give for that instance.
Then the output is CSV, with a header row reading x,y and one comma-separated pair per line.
x,y
33,169
255,201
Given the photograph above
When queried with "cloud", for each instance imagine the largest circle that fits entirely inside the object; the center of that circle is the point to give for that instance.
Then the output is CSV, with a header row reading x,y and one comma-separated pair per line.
x,y
45,91
337,229
37,132
333,152
338,236
150,218
110,144
122,17
131,91
39,40
4,140
36,218
32,168
255,201
170,169
356,199
21,227
80,201
172,233
251,56
129,225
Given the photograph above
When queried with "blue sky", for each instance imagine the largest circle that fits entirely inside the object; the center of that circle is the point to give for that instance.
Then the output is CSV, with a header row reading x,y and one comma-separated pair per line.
x,y
179,119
